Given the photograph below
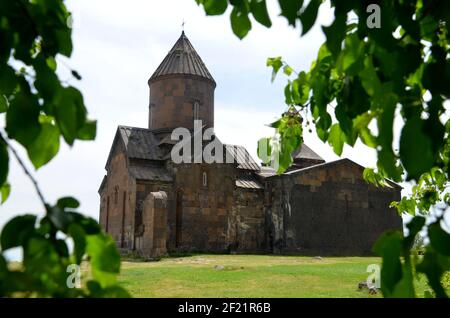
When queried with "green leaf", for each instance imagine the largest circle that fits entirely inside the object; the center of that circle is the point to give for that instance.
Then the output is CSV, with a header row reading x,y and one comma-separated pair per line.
x,y
433,266
375,178
367,138
88,131
22,119
47,82
215,7
64,40
287,70
60,219
68,202
290,131
388,164
70,113
105,259
414,227
89,225
300,89
335,34
79,240
8,80
45,146
288,94
406,205
439,239
336,139
309,15
259,11
5,190
290,10
369,78
240,23
4,161
276,63
51,63
351,58
389,246
17,231
416,150
3,104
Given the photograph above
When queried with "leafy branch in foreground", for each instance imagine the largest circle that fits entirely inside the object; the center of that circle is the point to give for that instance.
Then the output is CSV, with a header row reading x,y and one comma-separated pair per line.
x,y
40,109
387,63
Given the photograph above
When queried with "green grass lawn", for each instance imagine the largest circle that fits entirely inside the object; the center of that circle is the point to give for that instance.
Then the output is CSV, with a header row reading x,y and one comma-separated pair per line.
x,y
249,276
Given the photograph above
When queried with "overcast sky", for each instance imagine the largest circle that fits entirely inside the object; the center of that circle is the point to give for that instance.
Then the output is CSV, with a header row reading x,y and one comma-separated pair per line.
x,y
117,46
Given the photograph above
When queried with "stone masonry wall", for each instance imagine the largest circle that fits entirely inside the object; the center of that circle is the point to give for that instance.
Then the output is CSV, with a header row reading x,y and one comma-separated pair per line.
x,y
118,201
143,190
328,210
247,221
201,211
153,241
172,102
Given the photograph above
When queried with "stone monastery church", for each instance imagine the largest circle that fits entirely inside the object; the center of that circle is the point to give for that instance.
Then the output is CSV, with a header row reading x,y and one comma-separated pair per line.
x,y
152,205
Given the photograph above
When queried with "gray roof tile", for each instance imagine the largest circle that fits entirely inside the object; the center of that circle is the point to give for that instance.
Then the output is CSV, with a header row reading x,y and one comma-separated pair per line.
x,y
154,173
248,183
182,59
242,157
304,152
140,143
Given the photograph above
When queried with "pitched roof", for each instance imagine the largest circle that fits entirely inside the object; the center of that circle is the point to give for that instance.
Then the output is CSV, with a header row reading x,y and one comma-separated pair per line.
x,y
304,152
140,143
242,157
267,171
182,59
248,182
333,163
159,173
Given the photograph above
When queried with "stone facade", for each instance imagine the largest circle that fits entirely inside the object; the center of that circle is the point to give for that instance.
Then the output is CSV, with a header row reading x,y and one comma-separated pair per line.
x,y
329,201
153,206
173,100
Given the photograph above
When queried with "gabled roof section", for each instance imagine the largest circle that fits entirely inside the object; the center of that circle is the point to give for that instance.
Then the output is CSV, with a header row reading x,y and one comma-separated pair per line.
x,y
153,173
334,163
182,59
267,171
242,157
248,182
304,152
139,143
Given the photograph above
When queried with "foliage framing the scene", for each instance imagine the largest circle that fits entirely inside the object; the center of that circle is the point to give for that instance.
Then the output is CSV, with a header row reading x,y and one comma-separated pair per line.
x,y
39,109
382,60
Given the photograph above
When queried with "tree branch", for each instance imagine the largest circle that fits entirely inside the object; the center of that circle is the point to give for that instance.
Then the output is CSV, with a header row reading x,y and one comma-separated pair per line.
x,y
25,169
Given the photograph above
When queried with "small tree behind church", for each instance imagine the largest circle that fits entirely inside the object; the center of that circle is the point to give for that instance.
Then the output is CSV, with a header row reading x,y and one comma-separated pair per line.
x,y
382,60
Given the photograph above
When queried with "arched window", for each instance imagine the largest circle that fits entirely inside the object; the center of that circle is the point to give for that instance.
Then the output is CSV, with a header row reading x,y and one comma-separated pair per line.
x,y
196,110
205,179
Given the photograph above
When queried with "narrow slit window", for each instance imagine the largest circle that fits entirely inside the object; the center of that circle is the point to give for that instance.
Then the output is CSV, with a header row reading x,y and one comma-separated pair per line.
x,y
205,179
150,116
196,110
